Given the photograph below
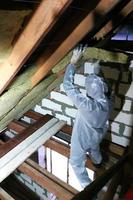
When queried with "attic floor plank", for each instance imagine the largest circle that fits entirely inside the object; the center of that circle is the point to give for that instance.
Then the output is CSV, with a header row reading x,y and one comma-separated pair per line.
x,y
19,138
43,179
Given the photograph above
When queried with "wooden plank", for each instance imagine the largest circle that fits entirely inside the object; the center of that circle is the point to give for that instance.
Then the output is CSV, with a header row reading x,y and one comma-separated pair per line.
x,y
1,142
65,150
36,116
21,152
40,24
48,181
4,195
48,174
26,142
21,137
106,145
33,115
17,126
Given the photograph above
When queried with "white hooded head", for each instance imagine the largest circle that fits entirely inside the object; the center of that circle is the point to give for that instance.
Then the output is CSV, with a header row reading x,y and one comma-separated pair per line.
x,y
92,67
96,87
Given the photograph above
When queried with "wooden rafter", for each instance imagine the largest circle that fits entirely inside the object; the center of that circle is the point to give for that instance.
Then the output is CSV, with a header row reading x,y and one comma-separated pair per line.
x,y
72,33
42,21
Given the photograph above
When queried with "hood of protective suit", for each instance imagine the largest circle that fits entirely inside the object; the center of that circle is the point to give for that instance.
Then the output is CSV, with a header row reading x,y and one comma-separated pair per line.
x,y
96,87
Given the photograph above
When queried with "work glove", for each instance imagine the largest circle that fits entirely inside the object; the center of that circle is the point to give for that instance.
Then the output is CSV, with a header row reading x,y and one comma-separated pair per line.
x,y
77,54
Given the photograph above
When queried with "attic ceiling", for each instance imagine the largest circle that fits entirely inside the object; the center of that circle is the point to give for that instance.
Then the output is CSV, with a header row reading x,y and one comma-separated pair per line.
x,y
30,46
29,42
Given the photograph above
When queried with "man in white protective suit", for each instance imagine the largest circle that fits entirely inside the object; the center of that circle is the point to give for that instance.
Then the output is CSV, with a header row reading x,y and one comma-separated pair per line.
x,y
91,121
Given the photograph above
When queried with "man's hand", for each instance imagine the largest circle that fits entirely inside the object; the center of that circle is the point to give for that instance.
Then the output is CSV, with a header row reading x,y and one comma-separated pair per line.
x,y
77,54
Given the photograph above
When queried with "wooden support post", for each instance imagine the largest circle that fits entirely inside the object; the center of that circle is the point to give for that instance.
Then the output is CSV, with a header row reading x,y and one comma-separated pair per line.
x,y
4,195
17,155
40,24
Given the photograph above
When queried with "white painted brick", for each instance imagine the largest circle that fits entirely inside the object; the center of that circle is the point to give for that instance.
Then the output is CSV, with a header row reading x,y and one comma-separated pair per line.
x,y
26,178
51,105
62,87
127,105
127,131
39,190
79,80
64,118
115,127
129,93
9,134
71,112
123,89
42,111
19,178
110,73
61,98
73,121
26,119
124,118
13,132
120,140
30,186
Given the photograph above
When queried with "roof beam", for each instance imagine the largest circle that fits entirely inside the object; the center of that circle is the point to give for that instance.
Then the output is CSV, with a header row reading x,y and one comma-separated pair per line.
x,y
39,25
21,137
72,32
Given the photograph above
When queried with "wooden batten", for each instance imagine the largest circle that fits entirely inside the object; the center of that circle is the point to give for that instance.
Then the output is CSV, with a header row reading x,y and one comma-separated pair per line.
x,y
40,24
54,144
4,195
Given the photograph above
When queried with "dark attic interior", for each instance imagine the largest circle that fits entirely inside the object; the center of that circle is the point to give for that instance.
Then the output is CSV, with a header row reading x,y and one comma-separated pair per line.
x,y
37,39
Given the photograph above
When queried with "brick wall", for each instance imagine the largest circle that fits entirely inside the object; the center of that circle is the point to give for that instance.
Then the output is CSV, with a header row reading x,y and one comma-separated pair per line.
x,y
121,119
41,192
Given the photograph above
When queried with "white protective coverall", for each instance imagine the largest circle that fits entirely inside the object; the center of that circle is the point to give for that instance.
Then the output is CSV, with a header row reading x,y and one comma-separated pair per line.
x,y
91,121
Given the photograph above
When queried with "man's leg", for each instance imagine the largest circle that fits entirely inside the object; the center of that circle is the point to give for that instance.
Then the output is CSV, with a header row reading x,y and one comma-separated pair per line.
x,y
95,155
77,161
96,158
